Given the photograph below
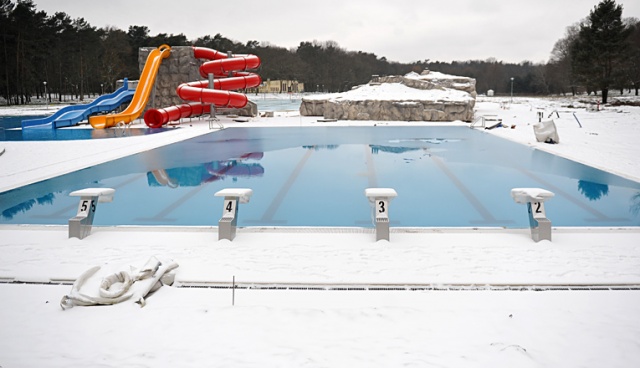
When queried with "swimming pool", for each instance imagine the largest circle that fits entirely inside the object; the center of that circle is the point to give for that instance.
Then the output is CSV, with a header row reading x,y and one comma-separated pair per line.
x,y
10,126
13,122
291,102
10,130
70,134
316,176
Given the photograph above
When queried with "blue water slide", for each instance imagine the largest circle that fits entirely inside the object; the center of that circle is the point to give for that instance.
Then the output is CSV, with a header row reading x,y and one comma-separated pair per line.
x,y
72,115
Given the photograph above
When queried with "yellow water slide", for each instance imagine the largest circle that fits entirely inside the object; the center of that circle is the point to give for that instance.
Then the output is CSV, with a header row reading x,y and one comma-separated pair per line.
x,y
140,97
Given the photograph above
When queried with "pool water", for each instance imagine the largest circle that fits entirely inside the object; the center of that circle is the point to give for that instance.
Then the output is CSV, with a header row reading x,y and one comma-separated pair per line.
x,y
10,130
276,104
316,176
69,134
13,122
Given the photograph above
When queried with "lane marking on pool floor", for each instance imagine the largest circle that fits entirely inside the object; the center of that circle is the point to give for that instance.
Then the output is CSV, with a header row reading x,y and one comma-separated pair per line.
x,y
270,212
372,176
471,198
65,212
599,216
162,215
372,182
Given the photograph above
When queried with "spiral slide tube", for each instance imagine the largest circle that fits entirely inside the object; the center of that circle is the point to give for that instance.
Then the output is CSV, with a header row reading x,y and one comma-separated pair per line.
x,y
229,74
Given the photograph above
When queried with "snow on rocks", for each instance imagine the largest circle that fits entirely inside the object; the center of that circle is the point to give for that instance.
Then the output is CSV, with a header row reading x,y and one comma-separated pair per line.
x,y
429,96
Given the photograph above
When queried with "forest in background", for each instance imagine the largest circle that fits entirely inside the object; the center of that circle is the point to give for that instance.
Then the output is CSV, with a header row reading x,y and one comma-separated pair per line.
x,y
74,58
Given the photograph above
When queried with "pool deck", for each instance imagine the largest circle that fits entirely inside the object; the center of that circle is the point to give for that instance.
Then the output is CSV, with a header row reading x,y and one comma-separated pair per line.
x,y
318,297
450,258
24,163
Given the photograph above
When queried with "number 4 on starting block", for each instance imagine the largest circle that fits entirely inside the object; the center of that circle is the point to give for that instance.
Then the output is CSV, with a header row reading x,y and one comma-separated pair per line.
x,y
229,209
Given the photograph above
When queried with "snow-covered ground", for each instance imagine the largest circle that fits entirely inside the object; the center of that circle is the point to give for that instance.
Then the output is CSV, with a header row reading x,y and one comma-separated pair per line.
x,y
400,91
475,324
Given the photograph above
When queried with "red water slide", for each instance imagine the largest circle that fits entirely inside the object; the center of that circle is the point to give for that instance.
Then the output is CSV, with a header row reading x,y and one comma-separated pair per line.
x,y
229,74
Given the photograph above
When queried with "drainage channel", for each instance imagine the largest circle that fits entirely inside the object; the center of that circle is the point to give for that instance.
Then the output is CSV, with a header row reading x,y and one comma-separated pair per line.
x,y
369,287
408,287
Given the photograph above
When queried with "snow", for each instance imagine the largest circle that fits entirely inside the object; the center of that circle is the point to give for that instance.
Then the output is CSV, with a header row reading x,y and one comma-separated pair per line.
x,y
431,75
526,195
380,192
95,192
33,110
607,139
479,324
395,92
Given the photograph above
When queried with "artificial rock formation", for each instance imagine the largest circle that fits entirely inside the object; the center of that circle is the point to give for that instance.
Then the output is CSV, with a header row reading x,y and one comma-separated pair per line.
x,y
430,96
180,67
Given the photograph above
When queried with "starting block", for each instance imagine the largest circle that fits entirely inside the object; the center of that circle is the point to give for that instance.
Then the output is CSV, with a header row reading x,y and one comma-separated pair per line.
x,y
380,198
229,220
80,225
538,222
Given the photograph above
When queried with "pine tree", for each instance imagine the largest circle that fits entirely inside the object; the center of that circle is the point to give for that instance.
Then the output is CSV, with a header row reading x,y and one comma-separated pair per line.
x,y
600,47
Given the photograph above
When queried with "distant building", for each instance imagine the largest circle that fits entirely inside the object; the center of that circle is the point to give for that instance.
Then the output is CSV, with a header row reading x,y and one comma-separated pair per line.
x,y
490,93
280,86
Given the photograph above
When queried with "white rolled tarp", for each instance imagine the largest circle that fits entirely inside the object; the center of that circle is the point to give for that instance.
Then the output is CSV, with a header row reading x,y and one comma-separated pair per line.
x,y
546,132
101,286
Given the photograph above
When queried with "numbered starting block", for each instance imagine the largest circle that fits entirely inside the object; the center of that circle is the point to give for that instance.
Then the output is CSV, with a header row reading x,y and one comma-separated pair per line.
x,y
228,222
80,225
380,198
534,199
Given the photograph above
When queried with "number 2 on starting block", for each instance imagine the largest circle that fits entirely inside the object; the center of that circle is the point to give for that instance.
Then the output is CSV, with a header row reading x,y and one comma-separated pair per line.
x,y
537,209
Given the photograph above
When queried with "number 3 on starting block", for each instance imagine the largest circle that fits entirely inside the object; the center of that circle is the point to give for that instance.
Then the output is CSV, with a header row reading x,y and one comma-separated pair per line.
x,y
382,208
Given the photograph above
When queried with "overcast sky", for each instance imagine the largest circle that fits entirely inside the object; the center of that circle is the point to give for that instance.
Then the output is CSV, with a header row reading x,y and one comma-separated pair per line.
x,y
400,30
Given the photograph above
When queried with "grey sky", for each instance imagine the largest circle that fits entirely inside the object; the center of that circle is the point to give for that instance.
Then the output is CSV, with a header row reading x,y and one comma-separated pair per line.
x,y
400,30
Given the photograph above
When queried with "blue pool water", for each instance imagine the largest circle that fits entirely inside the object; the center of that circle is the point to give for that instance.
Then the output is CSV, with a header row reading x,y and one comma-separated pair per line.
x,y
69,134
12,122
276,104
316,176
10,131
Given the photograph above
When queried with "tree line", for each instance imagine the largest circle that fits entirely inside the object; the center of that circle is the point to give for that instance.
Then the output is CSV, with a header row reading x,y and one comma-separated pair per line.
x,y
75,59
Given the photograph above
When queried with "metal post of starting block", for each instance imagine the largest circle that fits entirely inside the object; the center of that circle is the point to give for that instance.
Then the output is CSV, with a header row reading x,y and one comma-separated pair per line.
x,y
538,222
380,198
80,225
228,222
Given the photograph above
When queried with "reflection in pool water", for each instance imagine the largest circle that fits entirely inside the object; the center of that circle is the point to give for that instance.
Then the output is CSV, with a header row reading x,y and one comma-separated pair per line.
x,y
194,176
316,176
593,191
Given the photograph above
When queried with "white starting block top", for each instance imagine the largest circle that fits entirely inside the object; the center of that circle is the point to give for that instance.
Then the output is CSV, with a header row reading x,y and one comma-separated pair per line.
x,y
380,192
103,194
243,193
528,195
